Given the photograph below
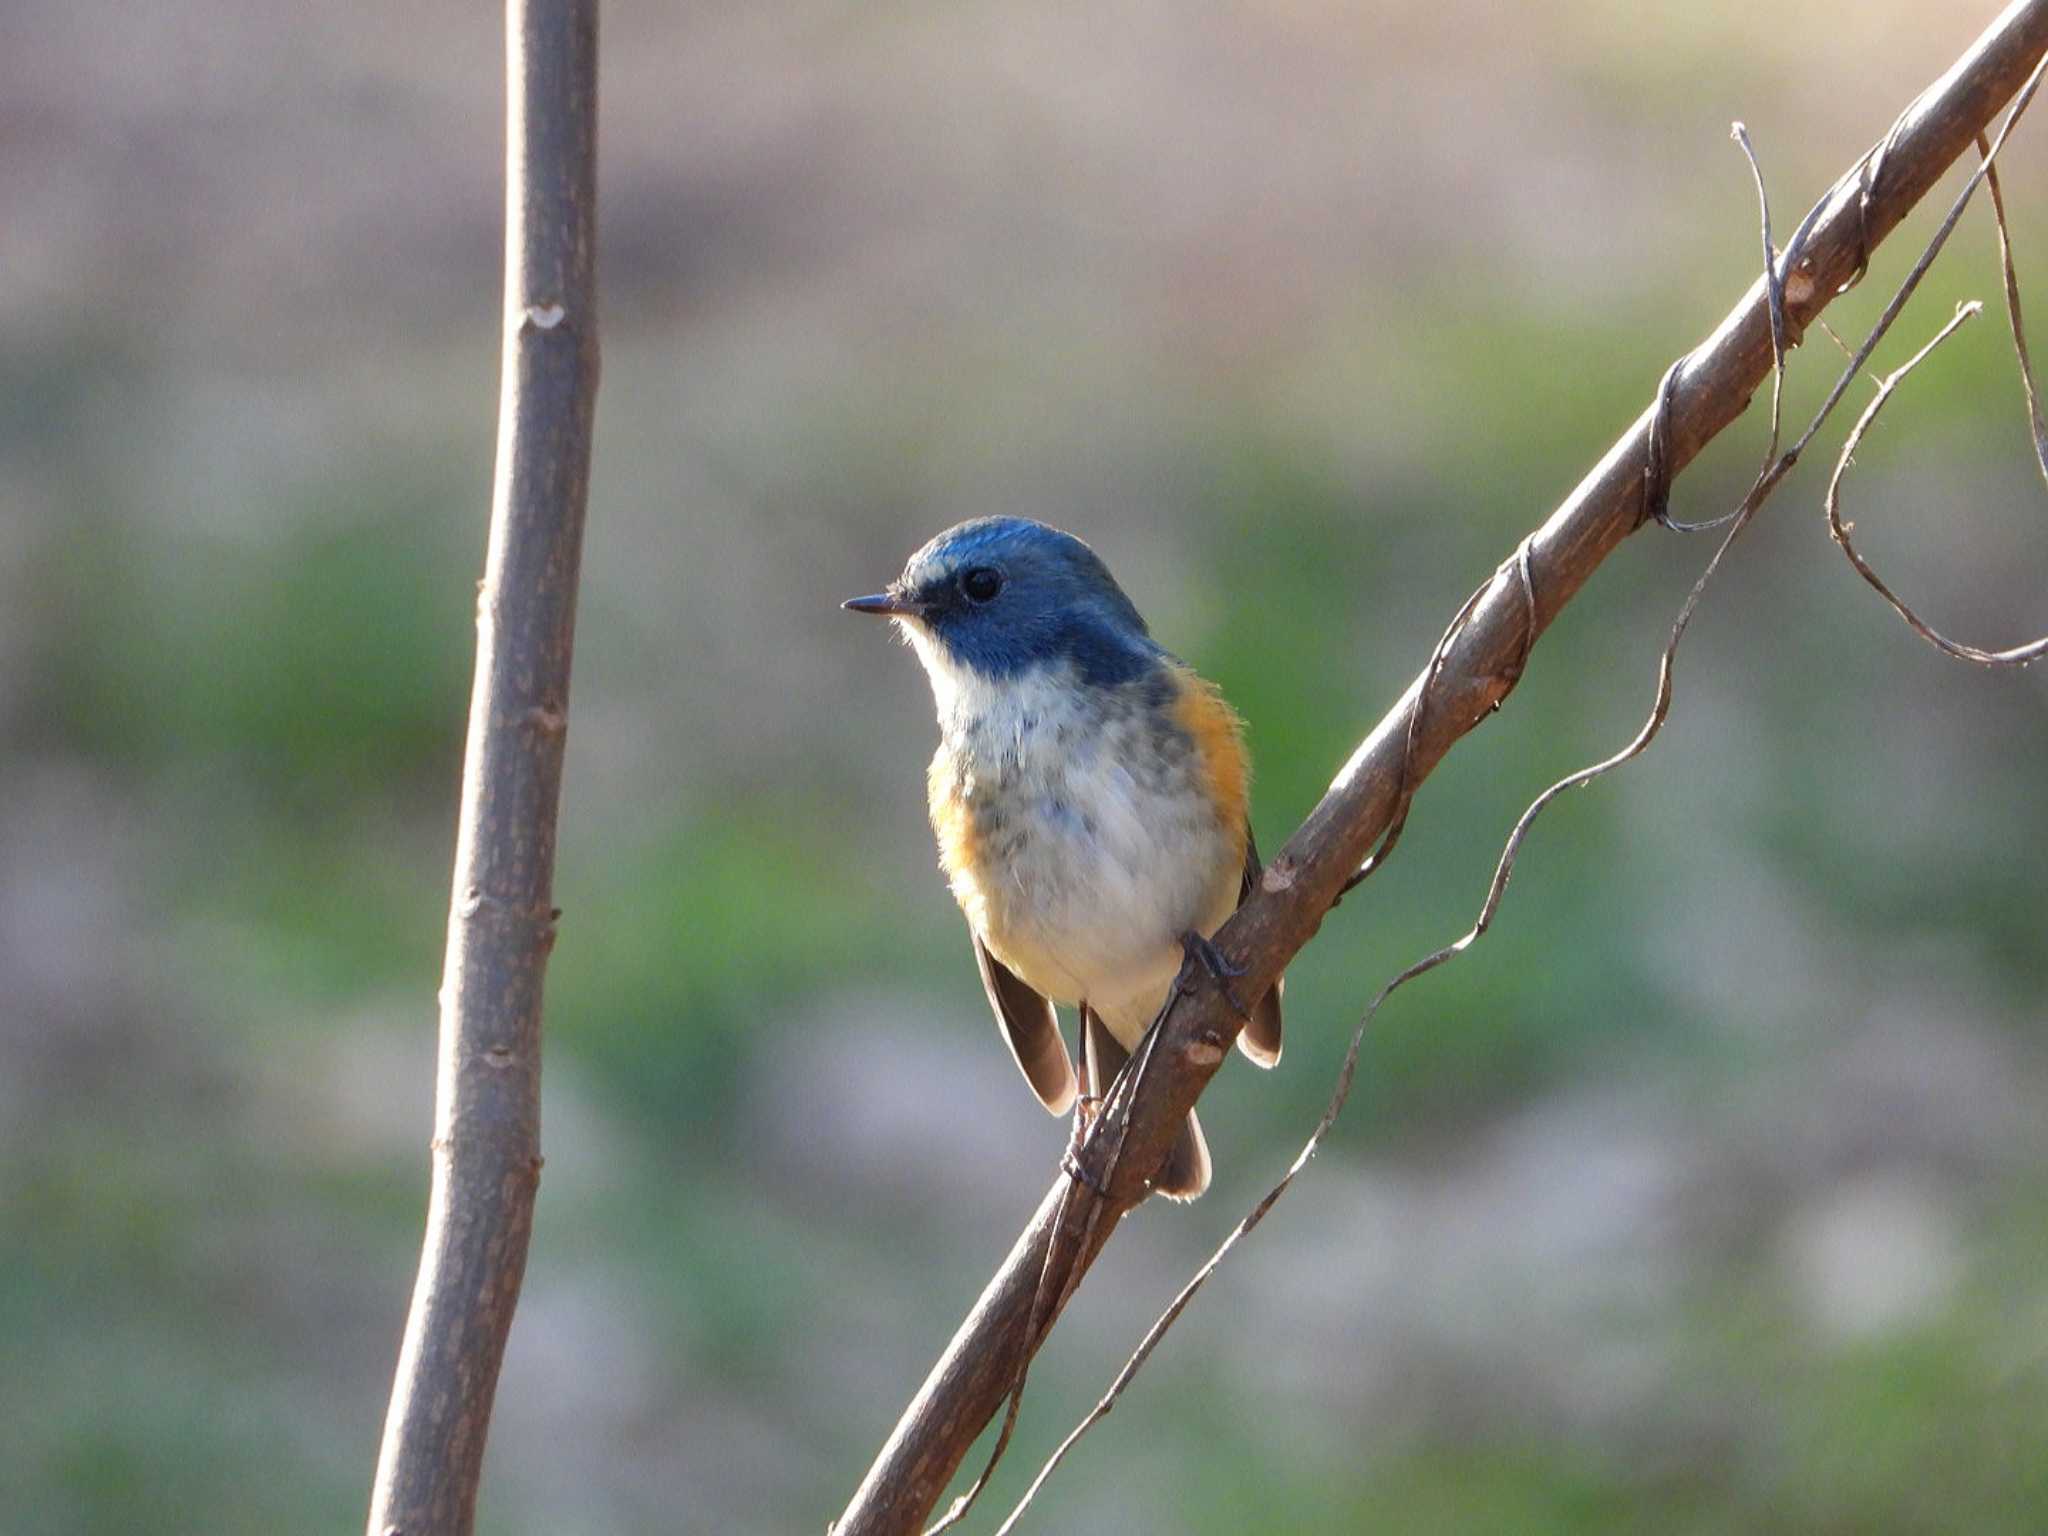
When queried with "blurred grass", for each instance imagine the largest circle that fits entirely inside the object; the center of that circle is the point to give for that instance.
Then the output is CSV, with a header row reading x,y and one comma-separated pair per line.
x,y
323,652
757,887
249,643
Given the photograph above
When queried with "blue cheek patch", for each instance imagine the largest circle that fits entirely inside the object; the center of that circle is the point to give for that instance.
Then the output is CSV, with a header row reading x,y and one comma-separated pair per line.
x,y
1060,605
995,646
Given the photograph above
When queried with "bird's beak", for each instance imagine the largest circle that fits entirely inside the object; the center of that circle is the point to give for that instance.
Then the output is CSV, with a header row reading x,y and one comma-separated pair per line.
x,y
887,604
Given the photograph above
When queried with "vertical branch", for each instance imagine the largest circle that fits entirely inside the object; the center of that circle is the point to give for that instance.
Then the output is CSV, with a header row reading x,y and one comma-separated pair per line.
x,y
501,924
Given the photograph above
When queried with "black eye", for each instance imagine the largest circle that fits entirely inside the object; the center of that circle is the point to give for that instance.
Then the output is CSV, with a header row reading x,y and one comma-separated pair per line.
x,y
981,583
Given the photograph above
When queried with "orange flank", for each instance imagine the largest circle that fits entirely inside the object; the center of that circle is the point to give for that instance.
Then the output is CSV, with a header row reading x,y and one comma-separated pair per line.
x,y
959,846
1218,733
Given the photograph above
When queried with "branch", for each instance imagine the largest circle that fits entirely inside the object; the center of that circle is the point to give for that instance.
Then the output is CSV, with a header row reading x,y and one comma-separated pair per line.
x,y
1471,674
501,925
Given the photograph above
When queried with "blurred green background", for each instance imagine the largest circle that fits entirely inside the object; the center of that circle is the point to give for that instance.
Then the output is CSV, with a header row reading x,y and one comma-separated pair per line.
x,y
1705,1196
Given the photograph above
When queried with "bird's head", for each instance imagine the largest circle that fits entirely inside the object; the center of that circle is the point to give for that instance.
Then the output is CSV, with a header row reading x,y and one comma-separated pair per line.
x,y
999,597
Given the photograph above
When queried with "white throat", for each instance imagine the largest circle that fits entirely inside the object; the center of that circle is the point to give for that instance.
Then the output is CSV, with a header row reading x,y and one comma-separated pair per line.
x,y
961,693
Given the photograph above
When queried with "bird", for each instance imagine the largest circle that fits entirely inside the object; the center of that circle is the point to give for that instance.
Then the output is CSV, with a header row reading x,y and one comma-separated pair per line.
x,y
1089,796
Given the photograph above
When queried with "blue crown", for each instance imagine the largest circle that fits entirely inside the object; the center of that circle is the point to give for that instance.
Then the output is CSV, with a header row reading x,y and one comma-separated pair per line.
x,y
1005,595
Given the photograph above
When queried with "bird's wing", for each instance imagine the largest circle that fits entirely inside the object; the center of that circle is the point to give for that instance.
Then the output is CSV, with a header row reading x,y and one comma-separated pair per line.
x,y
1032,1030
1260,1037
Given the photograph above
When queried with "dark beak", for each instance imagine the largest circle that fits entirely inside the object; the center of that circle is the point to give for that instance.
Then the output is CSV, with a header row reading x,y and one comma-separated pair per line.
x,y
887,604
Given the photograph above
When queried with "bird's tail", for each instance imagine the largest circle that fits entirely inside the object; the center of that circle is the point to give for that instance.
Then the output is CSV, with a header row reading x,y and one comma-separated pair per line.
x,y
1187,1169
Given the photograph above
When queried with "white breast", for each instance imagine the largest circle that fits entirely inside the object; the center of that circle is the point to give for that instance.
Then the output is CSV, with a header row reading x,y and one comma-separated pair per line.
x,y
1093,847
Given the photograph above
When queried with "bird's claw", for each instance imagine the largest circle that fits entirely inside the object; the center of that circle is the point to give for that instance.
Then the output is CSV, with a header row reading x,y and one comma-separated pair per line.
x,y
1198,949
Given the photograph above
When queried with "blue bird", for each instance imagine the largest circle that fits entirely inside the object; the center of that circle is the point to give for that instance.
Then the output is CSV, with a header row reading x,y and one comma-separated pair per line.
x,y
1089,795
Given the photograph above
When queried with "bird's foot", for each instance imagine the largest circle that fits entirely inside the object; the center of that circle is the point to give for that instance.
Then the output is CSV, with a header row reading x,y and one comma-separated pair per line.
x,y
1086,1107
1200,951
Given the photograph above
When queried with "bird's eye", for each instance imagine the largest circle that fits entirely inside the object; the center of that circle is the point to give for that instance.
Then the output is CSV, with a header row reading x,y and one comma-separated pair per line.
x,y
981,583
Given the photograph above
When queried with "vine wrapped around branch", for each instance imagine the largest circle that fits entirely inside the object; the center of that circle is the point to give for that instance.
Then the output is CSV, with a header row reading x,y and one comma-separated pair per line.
x,y
1471,673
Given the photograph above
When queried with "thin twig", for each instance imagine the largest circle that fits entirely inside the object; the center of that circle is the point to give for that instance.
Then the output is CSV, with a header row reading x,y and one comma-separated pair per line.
x,y
1405,793
1841,346
2035,423
1774,280
2018,656
1840,529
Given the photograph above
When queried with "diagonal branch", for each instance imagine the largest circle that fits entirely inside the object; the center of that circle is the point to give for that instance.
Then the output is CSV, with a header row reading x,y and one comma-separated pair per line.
x,y
1475,669
502,923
